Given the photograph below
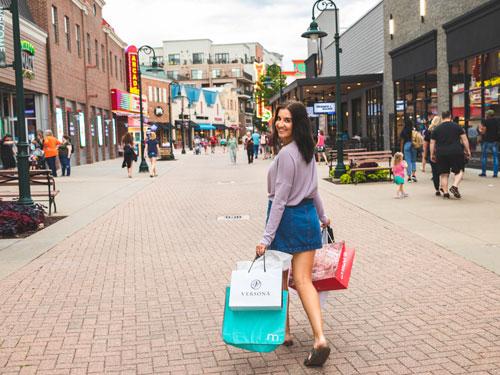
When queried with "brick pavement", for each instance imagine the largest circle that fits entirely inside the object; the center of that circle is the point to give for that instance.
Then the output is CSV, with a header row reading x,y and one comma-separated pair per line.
x,y
141,290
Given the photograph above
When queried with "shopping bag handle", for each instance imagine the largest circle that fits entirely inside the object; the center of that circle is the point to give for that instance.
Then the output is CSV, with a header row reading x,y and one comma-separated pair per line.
x,y
325,229
257,257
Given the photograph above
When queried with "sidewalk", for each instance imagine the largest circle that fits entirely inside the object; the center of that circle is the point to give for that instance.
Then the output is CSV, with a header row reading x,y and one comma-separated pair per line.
x,y
140,290
91,191
468,227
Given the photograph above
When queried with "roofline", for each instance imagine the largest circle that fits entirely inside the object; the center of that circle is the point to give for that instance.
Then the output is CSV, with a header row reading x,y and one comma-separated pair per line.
x,y
186,40
358,21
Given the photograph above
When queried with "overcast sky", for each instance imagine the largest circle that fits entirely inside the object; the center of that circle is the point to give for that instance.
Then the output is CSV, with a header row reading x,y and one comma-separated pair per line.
x,y
276,24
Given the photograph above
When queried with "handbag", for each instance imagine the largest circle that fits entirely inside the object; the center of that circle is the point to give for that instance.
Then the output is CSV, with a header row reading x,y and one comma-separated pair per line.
x,y
254,330
257,289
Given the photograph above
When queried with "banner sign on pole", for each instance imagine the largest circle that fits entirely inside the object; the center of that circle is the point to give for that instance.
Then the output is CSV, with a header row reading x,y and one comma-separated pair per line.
x,y
2,38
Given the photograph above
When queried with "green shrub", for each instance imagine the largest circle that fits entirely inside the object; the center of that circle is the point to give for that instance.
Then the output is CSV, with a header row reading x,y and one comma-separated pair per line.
x,y
345,179
372,177
360,176
382,174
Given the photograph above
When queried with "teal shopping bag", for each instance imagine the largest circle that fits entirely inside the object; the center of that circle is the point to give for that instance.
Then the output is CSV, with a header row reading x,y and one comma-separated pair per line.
x,y
254,330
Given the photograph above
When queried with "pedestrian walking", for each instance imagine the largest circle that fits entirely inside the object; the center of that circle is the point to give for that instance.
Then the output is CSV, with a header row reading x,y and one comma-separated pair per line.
x,y
8,152
398,170
473,134
197,145
65,150
320,148
489,130
223,143
295,210
50,144
232,144
263,142
204,144
152,151
256,143
409,151
436,121
250,150
129,155
448,145
213,143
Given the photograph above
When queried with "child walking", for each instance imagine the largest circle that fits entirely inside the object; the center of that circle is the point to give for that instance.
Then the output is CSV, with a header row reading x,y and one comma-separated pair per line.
x,y
399,170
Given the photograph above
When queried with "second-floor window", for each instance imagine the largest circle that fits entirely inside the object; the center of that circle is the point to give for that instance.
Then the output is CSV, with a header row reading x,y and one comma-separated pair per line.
x,y
216,73
222,58
103,58
198,58
174,59
89,50
78,35
67,33
110,64
96,53
116,67
172,74
196,74
55,25
120,68
236,72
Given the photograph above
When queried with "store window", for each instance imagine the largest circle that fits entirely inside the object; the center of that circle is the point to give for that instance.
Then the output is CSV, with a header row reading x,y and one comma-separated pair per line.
x,y
173,74
474,86
375,118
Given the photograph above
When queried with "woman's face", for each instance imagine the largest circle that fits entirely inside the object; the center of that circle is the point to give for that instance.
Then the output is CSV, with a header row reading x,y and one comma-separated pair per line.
x,y
284,125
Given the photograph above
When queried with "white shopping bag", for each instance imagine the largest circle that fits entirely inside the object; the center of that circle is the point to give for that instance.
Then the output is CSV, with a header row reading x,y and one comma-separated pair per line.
x,y
274,259
256,289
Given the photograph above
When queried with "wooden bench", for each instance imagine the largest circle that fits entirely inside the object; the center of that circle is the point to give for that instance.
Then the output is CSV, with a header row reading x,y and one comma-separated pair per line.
x,y
332,154
41,177
356,159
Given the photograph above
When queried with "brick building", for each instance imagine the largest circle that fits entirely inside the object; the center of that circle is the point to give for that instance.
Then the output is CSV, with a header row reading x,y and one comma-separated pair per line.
x,y
86,61
36,84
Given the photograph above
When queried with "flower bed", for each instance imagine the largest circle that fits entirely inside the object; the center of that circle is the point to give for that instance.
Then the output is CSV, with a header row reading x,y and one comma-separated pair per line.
x,y
15,219
361,176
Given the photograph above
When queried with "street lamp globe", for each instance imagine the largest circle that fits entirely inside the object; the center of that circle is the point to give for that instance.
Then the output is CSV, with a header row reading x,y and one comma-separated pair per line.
x,y
154,68
268,82
313,32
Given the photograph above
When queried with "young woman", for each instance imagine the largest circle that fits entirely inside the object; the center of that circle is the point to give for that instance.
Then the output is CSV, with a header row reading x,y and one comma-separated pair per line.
x,y
129,155
408,150
65,150
294,214
50,150
320,148
151,150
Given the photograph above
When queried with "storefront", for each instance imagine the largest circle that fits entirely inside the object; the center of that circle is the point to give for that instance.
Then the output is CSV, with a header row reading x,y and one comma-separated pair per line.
x,y
473,45
415,83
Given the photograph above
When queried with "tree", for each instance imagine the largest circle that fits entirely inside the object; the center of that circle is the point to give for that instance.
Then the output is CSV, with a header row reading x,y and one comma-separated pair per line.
x,y
278,81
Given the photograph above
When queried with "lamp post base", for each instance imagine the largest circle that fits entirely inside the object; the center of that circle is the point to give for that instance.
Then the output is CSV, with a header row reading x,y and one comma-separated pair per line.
x,y
340,167
183,151
143,167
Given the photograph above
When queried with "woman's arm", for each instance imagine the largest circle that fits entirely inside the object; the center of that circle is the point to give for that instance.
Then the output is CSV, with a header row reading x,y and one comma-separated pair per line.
x,y
283,186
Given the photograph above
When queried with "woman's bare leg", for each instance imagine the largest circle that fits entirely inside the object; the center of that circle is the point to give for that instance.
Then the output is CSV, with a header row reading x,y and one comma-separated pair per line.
x,y
302,264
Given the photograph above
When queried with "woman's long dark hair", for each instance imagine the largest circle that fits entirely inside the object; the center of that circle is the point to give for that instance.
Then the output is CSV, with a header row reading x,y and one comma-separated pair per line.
x,y
301,130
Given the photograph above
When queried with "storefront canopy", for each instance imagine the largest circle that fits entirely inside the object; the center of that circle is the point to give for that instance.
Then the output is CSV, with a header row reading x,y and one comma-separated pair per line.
x,y
205,127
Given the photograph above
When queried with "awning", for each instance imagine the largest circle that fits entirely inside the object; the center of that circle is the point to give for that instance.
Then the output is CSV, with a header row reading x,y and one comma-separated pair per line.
x,y
219,126
205,127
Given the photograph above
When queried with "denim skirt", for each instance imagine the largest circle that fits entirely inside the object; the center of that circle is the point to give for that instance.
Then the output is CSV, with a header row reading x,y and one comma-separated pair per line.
x,y
299,229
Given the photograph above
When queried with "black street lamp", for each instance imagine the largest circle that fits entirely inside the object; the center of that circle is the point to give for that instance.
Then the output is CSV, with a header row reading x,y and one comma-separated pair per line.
x,y
314,33
143,167
268,82
172,122
180,96
22,156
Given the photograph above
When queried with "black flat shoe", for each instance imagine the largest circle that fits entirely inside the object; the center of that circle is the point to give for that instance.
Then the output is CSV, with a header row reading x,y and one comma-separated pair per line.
x,y
317,357
446,196
438,193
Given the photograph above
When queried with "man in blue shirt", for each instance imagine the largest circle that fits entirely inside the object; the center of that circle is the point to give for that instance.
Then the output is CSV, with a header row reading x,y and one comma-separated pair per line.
x,y
256,143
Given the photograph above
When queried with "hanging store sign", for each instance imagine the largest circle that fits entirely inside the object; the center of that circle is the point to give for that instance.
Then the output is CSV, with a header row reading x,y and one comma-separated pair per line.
x,y
328,108
81,128
2,38
260,70
99,131
127,103
28,59
132,59
59,124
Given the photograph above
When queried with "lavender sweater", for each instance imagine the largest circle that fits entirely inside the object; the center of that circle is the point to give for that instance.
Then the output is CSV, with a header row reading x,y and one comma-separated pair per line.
x,y
290,180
